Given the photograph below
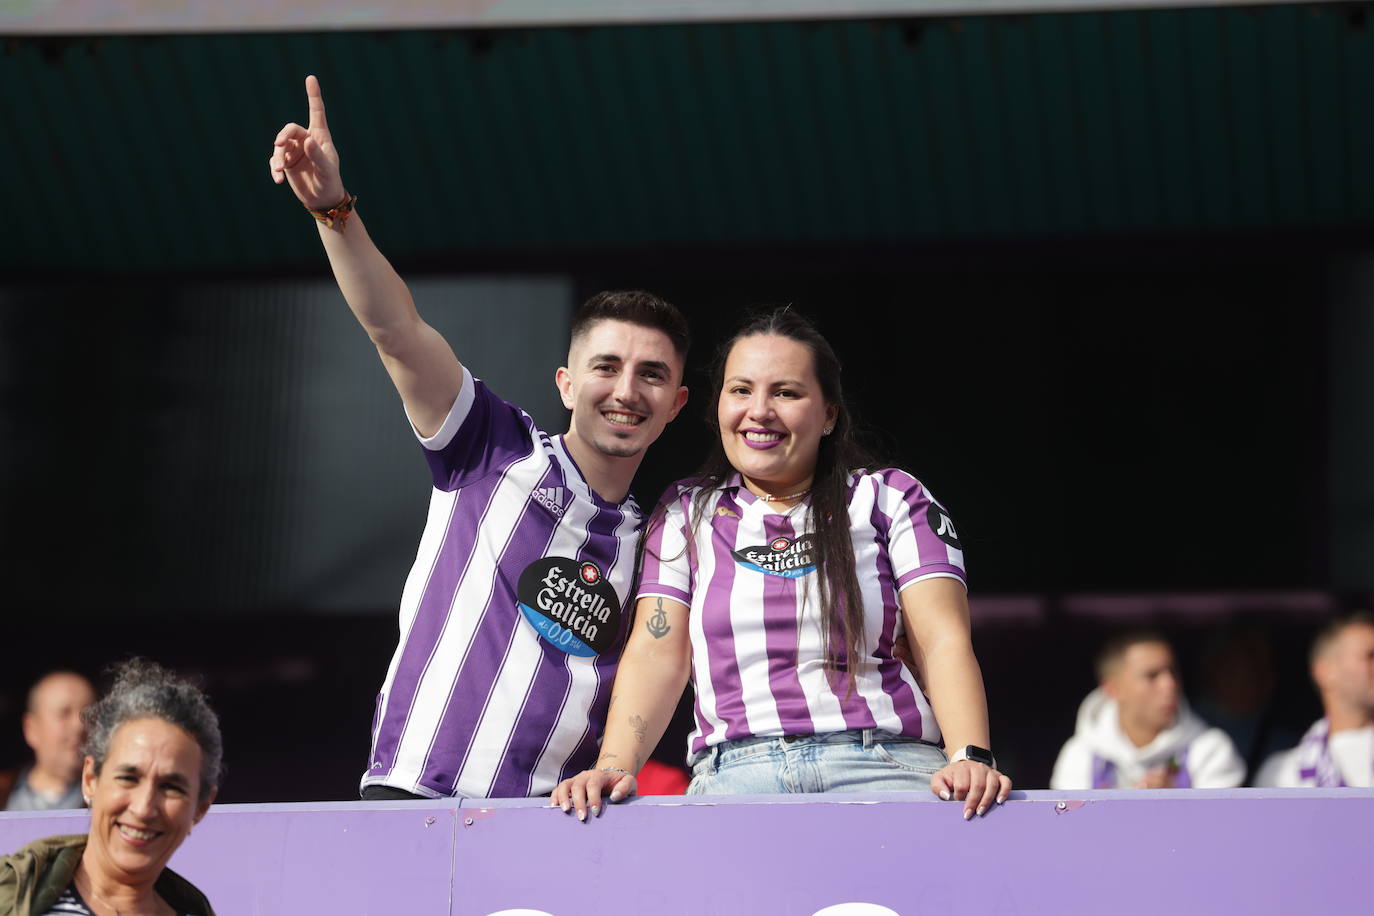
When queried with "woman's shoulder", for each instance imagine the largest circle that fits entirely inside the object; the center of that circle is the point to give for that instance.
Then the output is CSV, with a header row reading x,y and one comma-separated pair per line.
x,y
892,478
687,487
182,895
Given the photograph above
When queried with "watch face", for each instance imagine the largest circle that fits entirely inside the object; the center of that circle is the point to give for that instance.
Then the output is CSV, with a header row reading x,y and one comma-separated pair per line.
x,y
978,754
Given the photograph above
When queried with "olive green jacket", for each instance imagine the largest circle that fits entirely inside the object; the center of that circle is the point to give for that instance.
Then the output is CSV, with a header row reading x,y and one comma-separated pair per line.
x,y
35,876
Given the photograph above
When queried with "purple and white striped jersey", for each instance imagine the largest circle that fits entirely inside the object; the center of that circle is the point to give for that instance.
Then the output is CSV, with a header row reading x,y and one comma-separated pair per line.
x,y
758,662
512,619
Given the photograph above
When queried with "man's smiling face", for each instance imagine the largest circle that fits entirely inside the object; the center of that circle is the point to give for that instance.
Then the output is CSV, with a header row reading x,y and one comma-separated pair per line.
x,y
623,385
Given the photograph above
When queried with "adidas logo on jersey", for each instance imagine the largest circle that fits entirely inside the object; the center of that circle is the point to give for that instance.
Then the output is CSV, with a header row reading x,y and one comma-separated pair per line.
x,y
550,498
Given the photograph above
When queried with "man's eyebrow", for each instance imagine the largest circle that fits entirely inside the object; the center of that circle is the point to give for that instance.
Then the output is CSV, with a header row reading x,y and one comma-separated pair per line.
x,y
655,364
604,358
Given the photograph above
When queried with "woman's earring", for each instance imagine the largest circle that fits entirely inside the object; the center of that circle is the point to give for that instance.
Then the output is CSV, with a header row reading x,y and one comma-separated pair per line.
x,y
827,431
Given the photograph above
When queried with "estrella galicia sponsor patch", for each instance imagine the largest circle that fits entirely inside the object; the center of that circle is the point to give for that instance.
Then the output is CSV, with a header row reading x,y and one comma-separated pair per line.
x,y
782,556
943,526
571,605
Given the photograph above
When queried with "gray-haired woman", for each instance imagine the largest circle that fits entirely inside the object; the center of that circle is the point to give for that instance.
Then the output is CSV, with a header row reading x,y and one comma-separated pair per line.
x,y
152,768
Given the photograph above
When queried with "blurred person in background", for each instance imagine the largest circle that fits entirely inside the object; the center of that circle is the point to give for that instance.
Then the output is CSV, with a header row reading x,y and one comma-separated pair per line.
x,y
1135,731
1338,750
151,769
53,731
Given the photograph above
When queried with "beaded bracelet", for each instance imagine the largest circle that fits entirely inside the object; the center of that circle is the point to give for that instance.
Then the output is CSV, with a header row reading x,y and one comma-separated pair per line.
x,y
615,770
339,213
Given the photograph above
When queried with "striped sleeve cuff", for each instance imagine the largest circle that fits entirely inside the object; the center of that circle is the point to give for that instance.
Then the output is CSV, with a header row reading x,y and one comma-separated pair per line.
x,y
656,590
462,406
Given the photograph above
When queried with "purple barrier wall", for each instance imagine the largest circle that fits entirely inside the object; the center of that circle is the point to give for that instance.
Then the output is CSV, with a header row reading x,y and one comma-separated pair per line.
x,y
1148,852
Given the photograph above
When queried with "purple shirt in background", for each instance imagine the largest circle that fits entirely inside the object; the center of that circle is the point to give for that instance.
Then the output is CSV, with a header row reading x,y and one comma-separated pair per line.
x,y
512,618
750,584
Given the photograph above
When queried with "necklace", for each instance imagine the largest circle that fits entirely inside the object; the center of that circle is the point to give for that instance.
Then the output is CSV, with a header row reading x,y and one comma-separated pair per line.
x,y
770,498
90,886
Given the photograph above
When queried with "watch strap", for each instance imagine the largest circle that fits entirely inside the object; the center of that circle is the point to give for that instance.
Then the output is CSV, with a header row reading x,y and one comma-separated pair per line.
x,y
976,754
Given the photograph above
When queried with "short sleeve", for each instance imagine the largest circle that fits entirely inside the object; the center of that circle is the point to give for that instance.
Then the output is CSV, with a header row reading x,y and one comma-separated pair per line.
x,y
481,434
922,541
666,568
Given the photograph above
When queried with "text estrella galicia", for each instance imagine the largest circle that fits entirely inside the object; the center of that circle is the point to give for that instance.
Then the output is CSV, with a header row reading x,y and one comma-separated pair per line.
x,y
780,557
570,604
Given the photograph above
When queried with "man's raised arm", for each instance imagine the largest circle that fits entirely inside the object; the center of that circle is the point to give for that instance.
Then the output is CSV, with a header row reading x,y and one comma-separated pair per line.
x,y
420,362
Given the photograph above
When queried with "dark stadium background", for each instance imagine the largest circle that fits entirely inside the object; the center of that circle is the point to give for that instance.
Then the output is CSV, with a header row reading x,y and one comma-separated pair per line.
x,y
1103,280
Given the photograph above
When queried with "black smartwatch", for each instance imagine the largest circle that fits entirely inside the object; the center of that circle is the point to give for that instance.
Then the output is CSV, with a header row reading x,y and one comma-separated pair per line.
x,y
976,754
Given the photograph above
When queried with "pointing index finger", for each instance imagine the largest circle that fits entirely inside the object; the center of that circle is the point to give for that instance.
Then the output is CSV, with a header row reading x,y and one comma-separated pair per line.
x,y
316,100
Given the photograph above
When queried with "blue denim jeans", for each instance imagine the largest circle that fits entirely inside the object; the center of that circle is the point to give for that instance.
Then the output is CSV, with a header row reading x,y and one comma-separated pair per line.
x,y
861,760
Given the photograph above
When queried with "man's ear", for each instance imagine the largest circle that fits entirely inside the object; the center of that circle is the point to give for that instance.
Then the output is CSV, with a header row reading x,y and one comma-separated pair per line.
x,y
1321,672
28,725
678,402
564,380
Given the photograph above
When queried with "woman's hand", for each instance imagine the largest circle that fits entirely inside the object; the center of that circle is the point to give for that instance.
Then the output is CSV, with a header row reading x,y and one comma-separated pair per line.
x,y
977,785
584,791
306,159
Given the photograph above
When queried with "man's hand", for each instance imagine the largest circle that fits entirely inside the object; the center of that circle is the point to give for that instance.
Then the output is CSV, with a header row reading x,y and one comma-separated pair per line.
x,y
306,159
584,791
977,785
1161,777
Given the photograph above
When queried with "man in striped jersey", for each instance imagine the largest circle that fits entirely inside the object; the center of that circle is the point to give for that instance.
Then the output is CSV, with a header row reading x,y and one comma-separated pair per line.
x,y
513,617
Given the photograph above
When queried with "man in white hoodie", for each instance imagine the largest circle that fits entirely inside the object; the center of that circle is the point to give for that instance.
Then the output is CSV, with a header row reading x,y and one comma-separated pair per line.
x,y
1338,750
1135,730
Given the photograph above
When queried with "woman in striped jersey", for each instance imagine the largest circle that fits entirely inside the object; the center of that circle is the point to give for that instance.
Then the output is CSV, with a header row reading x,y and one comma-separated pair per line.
x,y
782,579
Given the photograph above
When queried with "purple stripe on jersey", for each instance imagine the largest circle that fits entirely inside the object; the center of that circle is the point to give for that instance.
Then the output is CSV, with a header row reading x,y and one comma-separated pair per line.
x,y
431,617
492,436
496,627
719,633
904,702
933,553
1182,778
553,681
1104,773
780,638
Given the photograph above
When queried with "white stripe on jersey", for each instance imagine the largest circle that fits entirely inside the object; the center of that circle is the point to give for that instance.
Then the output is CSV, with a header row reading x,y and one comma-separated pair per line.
x,y
465,615
572,723
518,669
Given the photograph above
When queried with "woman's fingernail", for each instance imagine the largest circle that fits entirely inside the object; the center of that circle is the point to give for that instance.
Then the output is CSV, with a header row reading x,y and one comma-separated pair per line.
x,y
945,795
596,810
983,810
564,806
967,814
581,815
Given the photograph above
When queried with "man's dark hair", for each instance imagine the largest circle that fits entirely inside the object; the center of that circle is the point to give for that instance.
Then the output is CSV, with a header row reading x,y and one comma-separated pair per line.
x,y
1332,631
635,306
1115,649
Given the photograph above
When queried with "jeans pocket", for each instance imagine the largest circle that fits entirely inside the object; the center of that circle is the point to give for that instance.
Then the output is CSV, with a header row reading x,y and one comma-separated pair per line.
x,y
913,756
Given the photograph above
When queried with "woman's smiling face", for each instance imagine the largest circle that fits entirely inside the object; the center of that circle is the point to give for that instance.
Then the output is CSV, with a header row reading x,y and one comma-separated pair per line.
x,y
144,800
772,413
